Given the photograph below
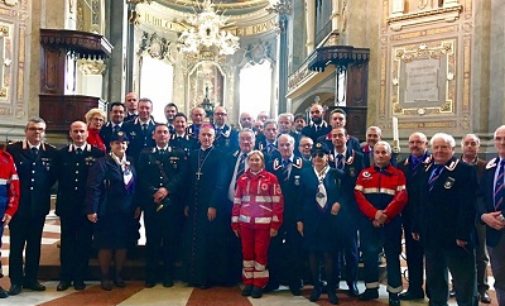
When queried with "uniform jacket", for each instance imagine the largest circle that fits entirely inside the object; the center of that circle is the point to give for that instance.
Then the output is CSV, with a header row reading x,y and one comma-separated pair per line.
x,y
158,170
311,132
72,170
138,138
290,186
226,139
185,143
447,212
487,188
352,142
193,130
414,177
258,201
106,192
381,189
9,185
37,175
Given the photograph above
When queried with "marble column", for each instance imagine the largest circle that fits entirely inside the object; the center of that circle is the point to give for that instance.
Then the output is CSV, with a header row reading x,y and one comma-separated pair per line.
x,y
310,18
114,85
335,15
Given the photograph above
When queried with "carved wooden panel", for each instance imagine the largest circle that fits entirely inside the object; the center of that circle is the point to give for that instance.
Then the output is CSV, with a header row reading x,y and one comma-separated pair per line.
x,y
357,85
52,72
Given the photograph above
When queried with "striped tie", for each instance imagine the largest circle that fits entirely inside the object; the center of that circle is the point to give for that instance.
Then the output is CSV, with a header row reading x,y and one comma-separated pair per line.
x,y
498,187
437,170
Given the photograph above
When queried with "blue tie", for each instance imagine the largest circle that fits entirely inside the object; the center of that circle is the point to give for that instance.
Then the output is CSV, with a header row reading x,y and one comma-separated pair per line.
x,y
437,170
340,161
498,187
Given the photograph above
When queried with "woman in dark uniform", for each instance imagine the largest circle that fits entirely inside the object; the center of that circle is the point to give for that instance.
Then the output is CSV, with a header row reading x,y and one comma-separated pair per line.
x,y
321,196
111,206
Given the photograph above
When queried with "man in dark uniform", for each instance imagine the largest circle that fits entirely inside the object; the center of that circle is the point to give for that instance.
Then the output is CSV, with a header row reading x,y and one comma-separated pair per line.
x,y
374,135
381,196
9,197
350,162
299,122
413,169
117,116
170,111
492,212
140,130
285,256
161,172
180,139
317,126
73,164
226,136
445,225
268,144
35,161
338,119
131,103
205,195
305,149
197,116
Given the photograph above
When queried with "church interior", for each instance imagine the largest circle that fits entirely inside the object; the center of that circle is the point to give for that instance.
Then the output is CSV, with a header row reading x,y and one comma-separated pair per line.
x,y
402,65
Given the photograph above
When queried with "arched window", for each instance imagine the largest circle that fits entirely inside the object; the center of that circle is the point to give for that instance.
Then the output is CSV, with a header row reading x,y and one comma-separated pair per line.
x,y
157,84
256,88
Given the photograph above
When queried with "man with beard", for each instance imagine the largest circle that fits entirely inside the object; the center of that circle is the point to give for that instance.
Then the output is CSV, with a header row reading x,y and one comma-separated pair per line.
x,y
226,136
117,115
350,162
317,127
170,111
74,162
205,196
413,168
162,172
299,123
286,261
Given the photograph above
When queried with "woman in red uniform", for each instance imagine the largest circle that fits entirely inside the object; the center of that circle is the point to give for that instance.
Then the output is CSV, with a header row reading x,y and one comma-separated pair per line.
x,y
256,218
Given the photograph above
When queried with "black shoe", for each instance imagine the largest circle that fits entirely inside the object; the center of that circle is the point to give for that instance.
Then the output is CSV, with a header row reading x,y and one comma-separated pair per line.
x,y
247,290
485,298
256,292
394,300
315,294
15,289
106,285
332,297
3,293
369,294
119,282
149,284
411,295
168,283
296,290
62,286
35,286
79,285
353,290
204,286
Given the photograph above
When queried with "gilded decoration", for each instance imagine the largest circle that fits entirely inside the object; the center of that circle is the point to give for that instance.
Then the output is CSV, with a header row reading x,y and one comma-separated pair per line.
x,y
423,79
156,46
419,17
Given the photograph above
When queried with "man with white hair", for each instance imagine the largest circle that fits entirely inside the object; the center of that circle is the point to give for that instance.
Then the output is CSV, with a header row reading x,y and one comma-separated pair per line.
x,y
445,226
492,212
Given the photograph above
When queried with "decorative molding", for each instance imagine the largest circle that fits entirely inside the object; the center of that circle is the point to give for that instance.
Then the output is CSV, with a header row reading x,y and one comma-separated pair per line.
x,y
11,2
91,67
257,53
80,44
155,46
447,14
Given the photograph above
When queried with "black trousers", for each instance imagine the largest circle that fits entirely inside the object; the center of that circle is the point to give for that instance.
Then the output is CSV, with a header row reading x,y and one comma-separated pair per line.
x,y
27,231
461,263
347,255
161,243
76,239
285,257
415,259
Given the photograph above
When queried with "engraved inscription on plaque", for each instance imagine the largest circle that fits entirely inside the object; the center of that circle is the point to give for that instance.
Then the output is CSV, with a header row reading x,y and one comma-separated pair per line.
x,y
422,78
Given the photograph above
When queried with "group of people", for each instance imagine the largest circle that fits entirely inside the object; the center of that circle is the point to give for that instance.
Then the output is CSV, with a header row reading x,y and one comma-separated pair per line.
x,y
258,203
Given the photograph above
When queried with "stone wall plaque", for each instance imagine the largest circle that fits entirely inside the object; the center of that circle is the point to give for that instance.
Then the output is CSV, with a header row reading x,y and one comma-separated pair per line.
x,y
421,81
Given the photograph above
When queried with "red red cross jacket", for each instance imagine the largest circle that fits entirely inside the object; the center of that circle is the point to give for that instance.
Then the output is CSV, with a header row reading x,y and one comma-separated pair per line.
x,y
9,185
381,189
258,201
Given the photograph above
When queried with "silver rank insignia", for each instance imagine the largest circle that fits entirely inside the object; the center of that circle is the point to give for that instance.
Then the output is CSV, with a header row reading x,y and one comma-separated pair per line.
x,y
449,182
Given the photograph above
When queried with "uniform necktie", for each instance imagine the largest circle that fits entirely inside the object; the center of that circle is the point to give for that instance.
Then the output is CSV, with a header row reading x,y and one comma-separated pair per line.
x,y
340,161
115,129
161,151
35,152
498,187
241,166
285,169
270,148
144,127
78,151
437,170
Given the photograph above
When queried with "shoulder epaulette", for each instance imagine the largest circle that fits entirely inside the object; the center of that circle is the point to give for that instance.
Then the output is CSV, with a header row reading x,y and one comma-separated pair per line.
x,y
298,162
452,165
492,163
276,164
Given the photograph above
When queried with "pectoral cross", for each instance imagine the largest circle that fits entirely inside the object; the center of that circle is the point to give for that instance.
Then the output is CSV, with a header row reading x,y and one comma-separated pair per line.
x,y
198,175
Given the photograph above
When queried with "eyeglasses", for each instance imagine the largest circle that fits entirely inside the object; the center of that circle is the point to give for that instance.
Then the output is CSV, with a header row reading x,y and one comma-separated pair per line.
x,y
34,129
220,114
306,145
